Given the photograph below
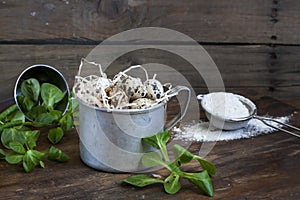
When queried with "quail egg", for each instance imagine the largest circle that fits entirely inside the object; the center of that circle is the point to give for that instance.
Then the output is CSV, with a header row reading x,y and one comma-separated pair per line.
x,y
133,87
154,89
117,96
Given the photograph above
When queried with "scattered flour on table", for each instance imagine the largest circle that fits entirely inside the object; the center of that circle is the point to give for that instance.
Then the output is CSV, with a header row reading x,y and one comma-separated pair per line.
x,y
200,131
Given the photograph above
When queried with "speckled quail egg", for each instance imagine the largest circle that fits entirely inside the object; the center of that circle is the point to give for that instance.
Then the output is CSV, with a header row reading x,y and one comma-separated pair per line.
x,y
117,96
103,83
99,86
154,89
142,103
133,87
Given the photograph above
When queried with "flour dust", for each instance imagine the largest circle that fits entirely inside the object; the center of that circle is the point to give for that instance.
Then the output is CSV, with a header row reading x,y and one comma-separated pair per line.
x,y
200,131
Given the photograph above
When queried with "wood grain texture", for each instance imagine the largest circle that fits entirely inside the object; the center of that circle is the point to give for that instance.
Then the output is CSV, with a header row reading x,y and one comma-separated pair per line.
x,y
253,71
232,21
264,167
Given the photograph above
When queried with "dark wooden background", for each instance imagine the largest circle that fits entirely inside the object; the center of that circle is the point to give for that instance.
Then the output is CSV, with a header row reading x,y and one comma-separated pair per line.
x,y
255,44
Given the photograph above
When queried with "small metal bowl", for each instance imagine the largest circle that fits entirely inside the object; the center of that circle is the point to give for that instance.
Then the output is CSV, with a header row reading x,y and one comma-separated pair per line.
x,y
226,123
238,123
44,74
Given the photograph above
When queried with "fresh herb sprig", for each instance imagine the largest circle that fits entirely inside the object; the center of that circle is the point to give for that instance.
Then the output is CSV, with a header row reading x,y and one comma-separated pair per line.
x,y
39,103
182,156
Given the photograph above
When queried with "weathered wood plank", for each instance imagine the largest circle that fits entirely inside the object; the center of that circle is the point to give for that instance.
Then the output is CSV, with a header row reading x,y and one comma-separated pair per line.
x,y
232,21
287,21
16,58
257,70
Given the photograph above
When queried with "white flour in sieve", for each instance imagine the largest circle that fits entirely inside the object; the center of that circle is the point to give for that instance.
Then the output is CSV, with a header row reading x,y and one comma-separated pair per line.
x,y
200,131
225,105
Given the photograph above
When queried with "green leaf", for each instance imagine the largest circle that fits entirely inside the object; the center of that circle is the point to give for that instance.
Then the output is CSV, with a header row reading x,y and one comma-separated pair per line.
x,y
172,184
56,154
201,180
183,156
25,103
45,118
141,180
12,135
34,124
30,143
30,88
73,104
66,122
11,124
56,115
159,141
36,111
174,168
31,159
22,128
14,158
152,159
17,147
55,135
48,118
42,164
2,154
7,112
14,116
33,135
209,167
51,95
18,116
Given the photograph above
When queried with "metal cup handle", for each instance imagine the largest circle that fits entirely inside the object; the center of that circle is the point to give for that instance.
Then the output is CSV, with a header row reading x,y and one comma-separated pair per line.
x,y
176,90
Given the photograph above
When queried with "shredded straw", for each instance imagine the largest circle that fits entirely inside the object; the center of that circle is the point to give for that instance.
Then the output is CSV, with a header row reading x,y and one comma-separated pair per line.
x,y
92,88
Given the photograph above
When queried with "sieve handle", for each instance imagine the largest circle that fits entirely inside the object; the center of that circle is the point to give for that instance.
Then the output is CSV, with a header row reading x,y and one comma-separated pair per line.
x,y
264,119
173,92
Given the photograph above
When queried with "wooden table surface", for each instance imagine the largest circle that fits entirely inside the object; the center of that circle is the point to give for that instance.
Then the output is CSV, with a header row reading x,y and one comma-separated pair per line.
x,y
264,167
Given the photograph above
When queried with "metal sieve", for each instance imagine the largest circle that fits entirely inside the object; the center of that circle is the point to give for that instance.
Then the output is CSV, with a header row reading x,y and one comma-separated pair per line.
x,y
239,122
